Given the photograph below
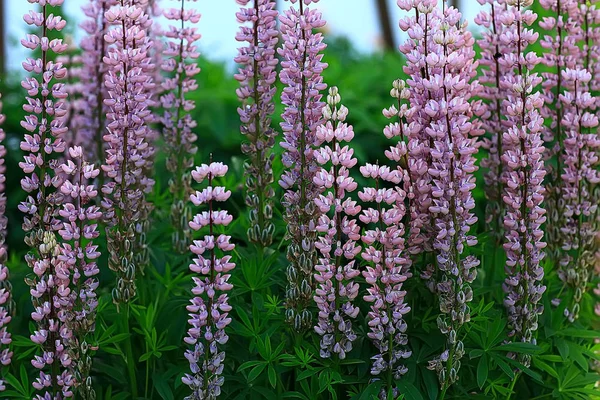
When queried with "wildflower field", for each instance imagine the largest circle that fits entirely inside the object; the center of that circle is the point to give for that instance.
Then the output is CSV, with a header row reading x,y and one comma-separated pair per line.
x,y
317,224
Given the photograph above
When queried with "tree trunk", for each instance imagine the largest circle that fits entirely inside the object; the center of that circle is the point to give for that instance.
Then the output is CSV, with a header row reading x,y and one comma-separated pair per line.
x,y
2,41
386,26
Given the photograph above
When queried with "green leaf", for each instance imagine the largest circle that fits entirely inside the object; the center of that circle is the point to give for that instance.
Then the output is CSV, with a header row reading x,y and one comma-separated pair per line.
x,y
145,356
163,389
538,363
579,333
563,349
256,371
307,373
249,364
482,371
431,383
519,347
272,376
503,365
409,390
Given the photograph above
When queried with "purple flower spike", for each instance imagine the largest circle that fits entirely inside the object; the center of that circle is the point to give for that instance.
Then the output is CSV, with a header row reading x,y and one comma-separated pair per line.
x,y
79,255
180,63
257,77
43,144
580,176
93,71
523,159
562,52
6,302
128,151
209,309
442,148
338,232
492,93
301,73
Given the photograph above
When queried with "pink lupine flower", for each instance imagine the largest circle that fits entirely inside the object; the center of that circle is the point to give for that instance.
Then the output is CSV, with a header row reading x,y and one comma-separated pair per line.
x,y
451,145
257,76
338,231
579,176
45,124
179,62
523,159
79,254
492,93
301,73
94,49
209,309
389,266
6,305
420,28
128,151
562,52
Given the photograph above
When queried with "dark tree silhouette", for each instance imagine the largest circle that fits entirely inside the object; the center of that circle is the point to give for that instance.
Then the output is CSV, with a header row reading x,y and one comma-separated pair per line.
x,y
385,23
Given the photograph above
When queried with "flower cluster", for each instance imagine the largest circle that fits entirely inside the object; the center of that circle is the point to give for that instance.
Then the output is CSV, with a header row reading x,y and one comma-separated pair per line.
x,y
492,50
523,159
257,77
562,52
5,286
580,174
128,152
451,109
45,124
209,309
302,66
93,110
338,231
179,62
78,255
385,246
420,29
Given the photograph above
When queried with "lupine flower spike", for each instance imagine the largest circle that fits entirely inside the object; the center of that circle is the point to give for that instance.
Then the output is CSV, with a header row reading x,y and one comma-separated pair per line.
x,y
6,306
453,134
420,28
492,93
579,177
562,52
44,122
180,55
523,159
128,152
385,251
79,254
301,74
209,309
338,232
92,129
257,77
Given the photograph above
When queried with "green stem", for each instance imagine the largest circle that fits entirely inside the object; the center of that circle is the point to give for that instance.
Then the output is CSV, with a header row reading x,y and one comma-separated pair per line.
x,y
129,352
512,386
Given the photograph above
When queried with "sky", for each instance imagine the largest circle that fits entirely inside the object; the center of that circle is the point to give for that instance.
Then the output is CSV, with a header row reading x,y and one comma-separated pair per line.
x,y
356,19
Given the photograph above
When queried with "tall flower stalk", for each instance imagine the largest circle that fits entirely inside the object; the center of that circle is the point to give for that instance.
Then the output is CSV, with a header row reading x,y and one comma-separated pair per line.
x,y
523,159
209,309
385,248
180,63
93,71
79,253
45,119
452,151
562,52
257,77
128,152
579,177
6,306
492,93
338,232
302,66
